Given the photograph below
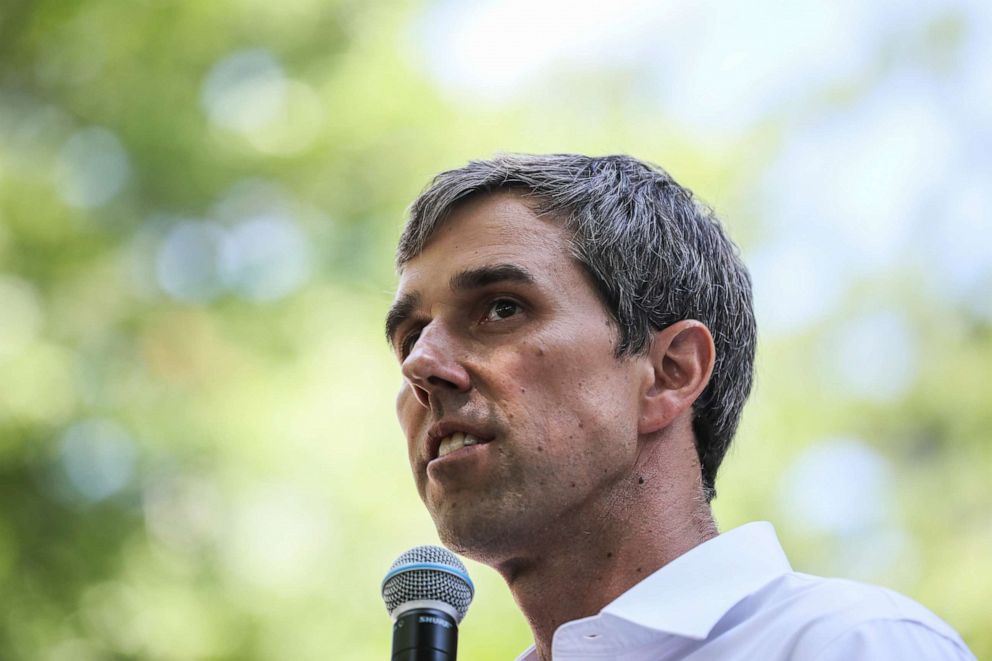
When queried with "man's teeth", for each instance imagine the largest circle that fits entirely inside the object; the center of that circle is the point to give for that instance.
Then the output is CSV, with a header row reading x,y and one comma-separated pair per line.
x,y
456,441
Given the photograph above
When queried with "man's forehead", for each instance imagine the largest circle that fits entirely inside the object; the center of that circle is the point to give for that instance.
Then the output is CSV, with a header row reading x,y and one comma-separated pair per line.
x,y
501,226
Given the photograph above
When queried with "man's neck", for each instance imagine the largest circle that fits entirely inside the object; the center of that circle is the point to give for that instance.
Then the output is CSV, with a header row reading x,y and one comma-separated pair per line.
x,y
580,569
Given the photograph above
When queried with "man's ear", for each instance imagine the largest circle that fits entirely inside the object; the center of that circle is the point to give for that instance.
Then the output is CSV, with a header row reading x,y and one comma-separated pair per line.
x,y
681,359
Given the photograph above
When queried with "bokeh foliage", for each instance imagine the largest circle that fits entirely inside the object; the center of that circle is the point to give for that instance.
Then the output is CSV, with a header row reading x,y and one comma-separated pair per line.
x,y
198,457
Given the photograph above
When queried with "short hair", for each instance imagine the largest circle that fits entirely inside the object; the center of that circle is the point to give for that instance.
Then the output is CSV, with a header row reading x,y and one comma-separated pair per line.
x,y
655,253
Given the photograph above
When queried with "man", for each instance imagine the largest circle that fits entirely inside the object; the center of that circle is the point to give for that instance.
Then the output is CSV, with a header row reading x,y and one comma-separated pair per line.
x,y
577,340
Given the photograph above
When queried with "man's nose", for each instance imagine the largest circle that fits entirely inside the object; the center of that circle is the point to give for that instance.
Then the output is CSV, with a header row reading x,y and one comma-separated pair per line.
x,y
433,367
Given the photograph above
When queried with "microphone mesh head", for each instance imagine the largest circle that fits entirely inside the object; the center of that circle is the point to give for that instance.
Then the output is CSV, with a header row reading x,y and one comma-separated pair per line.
x,y
428,572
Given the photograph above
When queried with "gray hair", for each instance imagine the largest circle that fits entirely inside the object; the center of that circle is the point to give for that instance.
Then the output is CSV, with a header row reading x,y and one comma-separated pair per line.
x,y
656,254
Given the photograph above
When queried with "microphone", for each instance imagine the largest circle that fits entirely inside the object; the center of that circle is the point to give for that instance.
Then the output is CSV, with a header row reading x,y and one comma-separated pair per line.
x,y
427,592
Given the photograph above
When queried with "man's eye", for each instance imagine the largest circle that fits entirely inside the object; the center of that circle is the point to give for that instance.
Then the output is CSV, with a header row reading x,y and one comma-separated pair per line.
x,y
406,344
502,309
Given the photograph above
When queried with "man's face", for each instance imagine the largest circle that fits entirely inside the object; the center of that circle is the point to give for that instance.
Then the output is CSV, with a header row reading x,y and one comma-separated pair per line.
x,y
502,337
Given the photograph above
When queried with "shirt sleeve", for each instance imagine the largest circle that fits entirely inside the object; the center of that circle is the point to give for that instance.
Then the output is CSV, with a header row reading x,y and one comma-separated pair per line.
x,y
894,640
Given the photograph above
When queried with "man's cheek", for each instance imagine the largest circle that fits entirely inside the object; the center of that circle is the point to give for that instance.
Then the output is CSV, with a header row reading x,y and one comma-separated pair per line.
x,y
402,395
407,408
408,412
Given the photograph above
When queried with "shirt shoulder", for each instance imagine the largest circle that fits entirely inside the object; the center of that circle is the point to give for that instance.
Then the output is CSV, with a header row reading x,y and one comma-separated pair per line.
x,y
835,618
891,639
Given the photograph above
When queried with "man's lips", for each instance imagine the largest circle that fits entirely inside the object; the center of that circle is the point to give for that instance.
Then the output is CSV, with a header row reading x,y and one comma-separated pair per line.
x,y
441,430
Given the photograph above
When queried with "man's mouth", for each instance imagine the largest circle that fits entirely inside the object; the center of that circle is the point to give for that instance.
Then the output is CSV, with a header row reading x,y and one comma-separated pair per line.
x,y
450,436
456,441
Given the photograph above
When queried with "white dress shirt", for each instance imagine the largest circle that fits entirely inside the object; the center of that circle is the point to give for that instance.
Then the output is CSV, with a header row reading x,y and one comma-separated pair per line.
x,y
736,597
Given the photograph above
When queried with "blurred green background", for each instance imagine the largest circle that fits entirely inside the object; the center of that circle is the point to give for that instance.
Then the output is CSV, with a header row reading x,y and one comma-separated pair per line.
x,y
198,207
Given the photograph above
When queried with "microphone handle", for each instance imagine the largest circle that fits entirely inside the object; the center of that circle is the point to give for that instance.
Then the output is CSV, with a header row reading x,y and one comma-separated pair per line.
x,y
425,634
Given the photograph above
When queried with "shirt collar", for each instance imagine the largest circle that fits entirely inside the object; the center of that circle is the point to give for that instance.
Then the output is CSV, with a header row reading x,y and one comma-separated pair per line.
x,y
689,595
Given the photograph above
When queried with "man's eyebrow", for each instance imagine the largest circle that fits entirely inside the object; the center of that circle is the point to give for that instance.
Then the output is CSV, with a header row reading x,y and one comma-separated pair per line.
x,y
489,275
399,312
468,279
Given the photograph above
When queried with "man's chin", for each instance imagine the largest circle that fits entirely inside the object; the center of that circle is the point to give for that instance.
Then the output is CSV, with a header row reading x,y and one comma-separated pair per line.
x,y
485,539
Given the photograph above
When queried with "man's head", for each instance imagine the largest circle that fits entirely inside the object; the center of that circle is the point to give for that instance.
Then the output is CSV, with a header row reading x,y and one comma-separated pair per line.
x,y
651,252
